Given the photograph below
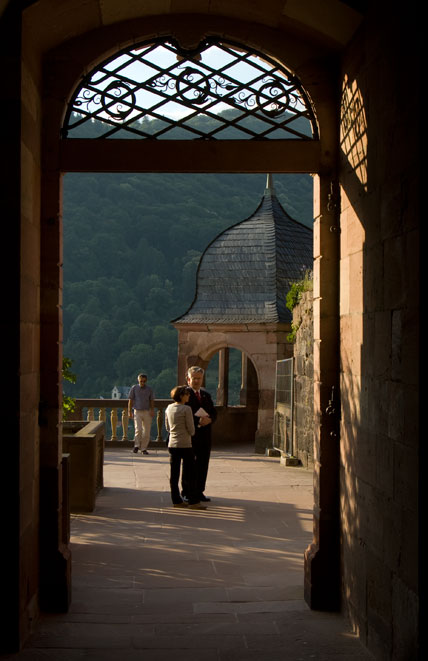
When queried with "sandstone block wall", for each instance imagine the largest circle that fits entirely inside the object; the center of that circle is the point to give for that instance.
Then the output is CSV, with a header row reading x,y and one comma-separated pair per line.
x,y
378,308
20,329
304,381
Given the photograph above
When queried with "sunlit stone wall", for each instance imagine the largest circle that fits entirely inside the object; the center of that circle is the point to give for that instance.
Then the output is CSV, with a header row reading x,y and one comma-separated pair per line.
x,y
378,309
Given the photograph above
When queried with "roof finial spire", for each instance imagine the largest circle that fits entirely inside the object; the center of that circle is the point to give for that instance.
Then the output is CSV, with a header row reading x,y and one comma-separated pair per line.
x,y
270,188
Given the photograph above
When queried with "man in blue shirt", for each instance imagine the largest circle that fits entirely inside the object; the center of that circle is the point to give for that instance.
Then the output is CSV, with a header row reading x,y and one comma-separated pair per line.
x,y
141,407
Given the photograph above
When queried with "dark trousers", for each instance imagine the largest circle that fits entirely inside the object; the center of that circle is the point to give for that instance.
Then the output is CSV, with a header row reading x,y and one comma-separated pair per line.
x,y
202,452
177,457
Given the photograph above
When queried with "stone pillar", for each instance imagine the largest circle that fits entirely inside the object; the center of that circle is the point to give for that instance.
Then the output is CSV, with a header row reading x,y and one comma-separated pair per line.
x,y
252,387
55,555
181,356
10,195
322,558
223,377
243,390
184,358
249,394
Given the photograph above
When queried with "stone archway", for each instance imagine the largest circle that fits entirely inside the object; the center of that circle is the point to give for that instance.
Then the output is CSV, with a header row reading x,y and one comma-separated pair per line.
x,y
236,424
202,156
44,48
263,344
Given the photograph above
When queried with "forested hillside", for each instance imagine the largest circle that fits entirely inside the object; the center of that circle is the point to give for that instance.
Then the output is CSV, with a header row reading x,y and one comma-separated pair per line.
x,y
132,243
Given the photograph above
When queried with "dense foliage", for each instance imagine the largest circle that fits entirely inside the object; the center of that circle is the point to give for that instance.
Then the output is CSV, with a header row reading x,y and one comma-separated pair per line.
x,y
132,243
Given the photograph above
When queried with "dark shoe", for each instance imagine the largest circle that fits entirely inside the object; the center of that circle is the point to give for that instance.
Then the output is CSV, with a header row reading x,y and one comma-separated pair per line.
x,y
180,505
197,506
135,450
204,499
144,451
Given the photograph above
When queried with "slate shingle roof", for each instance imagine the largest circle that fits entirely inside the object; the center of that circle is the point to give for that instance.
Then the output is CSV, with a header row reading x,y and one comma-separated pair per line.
x,y
245,272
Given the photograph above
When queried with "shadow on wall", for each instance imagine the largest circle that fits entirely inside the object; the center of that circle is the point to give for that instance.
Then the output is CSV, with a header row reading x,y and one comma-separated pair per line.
x,y
378,454
356,456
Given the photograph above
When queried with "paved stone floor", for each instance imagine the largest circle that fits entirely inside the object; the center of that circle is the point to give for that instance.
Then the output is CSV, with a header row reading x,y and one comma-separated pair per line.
x,y
154,583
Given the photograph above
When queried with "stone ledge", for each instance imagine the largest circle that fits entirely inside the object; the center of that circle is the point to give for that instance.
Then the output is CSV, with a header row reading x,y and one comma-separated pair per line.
x,y
289,460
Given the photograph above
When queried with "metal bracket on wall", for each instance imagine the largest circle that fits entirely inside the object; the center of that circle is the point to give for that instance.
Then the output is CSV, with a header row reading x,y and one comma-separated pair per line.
x,y
333,409
332,204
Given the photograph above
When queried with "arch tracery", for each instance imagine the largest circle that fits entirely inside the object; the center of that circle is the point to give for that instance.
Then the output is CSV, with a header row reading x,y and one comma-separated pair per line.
x,y
219,90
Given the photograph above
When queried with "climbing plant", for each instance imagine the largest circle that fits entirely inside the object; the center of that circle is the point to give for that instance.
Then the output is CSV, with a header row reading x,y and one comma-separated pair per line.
x,y
294,297
298,288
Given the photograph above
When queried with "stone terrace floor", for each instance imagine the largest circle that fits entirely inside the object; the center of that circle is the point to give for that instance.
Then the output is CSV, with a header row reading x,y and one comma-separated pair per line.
x,y
155,583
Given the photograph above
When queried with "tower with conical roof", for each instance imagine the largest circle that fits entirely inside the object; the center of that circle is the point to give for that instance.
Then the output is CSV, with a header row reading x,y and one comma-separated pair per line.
x,y
242,281
245,272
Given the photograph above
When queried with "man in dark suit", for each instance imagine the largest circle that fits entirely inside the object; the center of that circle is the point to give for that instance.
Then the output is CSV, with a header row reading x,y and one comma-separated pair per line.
x,y
200,402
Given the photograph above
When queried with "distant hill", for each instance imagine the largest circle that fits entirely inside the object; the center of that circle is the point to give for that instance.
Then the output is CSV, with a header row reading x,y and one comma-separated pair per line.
x,y
244,128
132,243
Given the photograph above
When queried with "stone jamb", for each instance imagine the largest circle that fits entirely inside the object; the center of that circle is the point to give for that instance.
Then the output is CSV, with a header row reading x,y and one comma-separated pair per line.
x,y
13,611
322,557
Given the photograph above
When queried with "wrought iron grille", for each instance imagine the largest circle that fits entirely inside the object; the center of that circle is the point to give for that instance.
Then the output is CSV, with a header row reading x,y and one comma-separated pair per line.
x,y
283,432
220,90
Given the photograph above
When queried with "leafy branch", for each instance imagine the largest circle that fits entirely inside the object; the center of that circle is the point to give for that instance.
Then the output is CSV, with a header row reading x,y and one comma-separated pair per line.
x,y
68,403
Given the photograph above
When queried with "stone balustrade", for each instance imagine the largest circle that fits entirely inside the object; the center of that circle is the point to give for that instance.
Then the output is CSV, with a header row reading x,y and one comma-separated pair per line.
x,y
116,410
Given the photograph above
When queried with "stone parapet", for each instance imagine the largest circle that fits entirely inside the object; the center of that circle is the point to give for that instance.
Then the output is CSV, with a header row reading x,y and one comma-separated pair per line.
x,y
84,442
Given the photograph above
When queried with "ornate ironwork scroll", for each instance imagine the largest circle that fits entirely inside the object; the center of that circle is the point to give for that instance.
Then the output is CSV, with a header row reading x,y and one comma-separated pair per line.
x,y
219,91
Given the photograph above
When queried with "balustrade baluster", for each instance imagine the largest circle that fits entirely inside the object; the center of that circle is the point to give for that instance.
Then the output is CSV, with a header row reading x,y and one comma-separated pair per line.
x,y
92,409
159,423
125,425
113,419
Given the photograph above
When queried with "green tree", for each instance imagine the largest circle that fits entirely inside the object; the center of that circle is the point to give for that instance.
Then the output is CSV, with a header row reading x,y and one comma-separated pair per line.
x,y
83,327
164,382
132,361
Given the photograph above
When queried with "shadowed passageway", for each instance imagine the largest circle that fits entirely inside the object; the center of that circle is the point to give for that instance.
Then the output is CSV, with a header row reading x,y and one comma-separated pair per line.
x,y
225,584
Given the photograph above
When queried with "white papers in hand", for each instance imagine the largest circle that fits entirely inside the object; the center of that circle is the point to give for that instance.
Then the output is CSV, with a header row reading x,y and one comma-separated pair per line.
x,y
201,413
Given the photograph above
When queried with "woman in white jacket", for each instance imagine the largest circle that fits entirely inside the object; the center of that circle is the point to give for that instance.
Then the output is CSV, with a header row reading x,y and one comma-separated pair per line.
x,y
179,423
